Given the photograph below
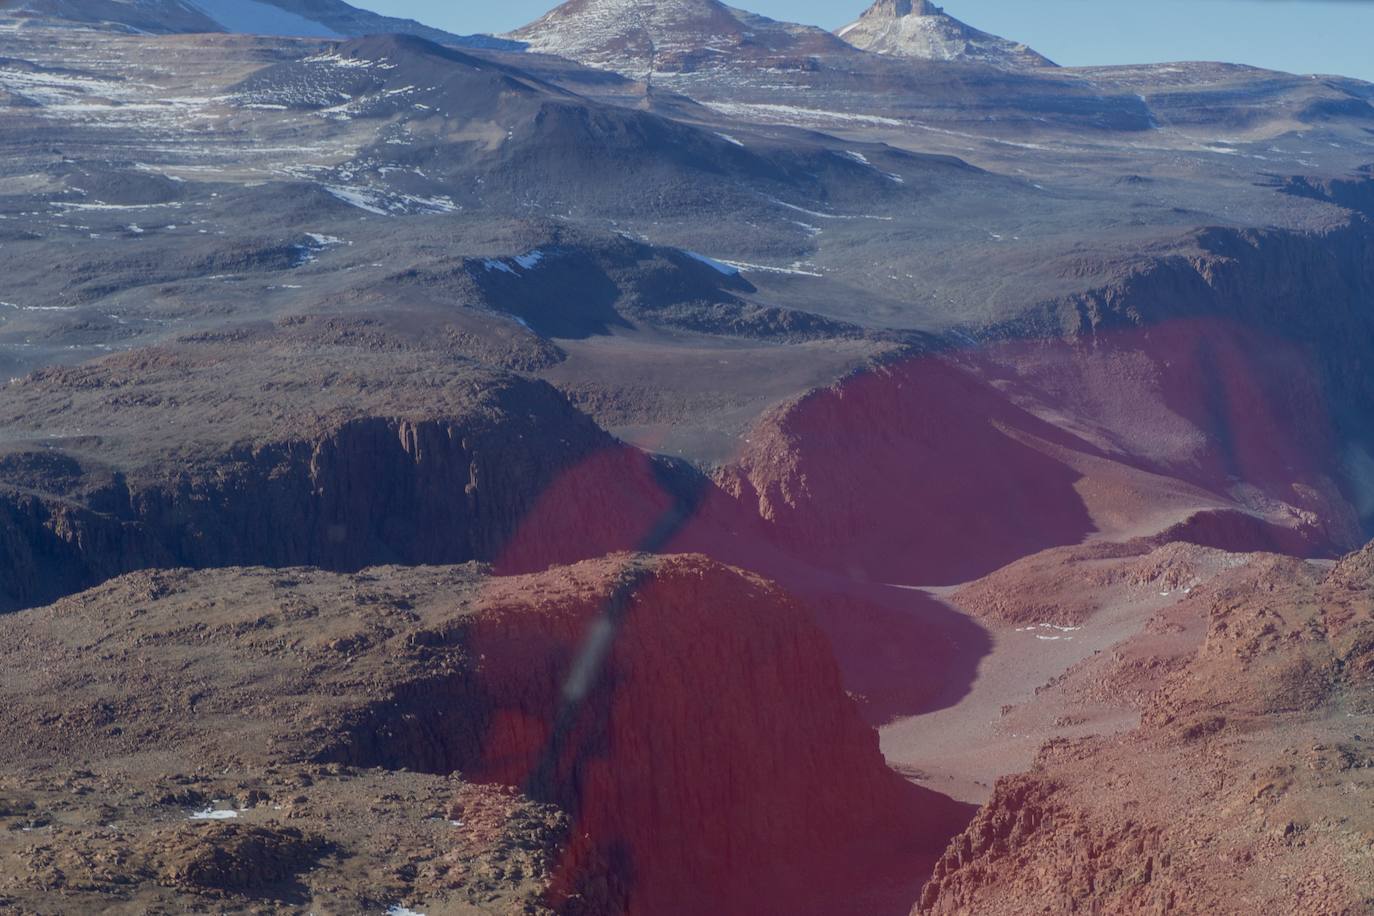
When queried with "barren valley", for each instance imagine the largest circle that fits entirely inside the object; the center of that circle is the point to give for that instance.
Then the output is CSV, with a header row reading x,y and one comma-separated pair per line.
x,y
665,460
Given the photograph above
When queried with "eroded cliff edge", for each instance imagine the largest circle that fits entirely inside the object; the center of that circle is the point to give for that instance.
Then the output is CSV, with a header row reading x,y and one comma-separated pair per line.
x,y
711,757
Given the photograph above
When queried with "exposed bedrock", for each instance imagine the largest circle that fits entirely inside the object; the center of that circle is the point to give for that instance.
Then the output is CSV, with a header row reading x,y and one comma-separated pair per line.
x,y
928,472
1233,382
1248,753
1355,192
910,473
690,719
1297,304
1238,432
368,491
687,717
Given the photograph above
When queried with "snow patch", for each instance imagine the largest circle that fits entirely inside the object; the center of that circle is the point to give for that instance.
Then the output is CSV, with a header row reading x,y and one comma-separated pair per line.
x,y
104,206
528,261
792,114
795,270
210,814
40,308
719,266
818,215
1049,632
531,260
350,63
431,204
385,203
360,199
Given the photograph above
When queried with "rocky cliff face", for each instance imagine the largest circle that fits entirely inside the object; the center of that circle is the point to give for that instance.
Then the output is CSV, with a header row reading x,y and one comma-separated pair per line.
x,y
1254,338
725,810
1247,755
1206,374
377,490
1354,191
442,469
1229,383
687,717
914,472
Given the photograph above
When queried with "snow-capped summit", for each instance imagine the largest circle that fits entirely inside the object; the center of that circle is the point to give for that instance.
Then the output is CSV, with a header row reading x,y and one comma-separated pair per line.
x,y
640,37
920,29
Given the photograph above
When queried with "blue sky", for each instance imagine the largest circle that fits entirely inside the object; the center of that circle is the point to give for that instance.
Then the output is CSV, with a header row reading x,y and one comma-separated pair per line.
x,y
1304,36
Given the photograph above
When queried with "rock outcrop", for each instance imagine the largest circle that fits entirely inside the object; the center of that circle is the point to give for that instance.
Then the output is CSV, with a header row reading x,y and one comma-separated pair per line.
x,y
639,37
1199,397
1257,385
922,30
687,717
916,472
1248,755
351,459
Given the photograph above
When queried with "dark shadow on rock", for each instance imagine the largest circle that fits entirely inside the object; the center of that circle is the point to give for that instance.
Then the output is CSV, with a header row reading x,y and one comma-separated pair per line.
x,y
902,652
691,721
917,473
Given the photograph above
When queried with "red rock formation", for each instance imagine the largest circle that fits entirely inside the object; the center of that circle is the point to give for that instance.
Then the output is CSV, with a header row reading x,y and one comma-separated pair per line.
x,y
692,722
914,473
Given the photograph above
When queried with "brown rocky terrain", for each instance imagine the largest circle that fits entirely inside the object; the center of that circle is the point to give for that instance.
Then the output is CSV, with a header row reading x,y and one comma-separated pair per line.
x,y
400,440
359,727
1243,790
279,452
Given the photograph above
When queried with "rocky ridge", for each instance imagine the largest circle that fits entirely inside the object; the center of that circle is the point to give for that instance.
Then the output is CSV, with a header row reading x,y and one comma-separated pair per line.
x,y
640,38
353,288
364,458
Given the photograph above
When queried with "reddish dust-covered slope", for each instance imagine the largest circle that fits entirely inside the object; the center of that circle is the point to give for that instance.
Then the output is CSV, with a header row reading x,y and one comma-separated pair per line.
x,y
1241,790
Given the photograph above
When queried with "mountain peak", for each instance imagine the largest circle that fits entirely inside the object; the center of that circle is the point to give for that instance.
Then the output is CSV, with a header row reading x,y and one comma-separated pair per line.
x,y
905,8
640,37
920,29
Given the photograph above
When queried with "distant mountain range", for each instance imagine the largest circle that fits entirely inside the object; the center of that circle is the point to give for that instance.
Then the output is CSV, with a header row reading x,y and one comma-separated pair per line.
x,y
635,37
641,36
